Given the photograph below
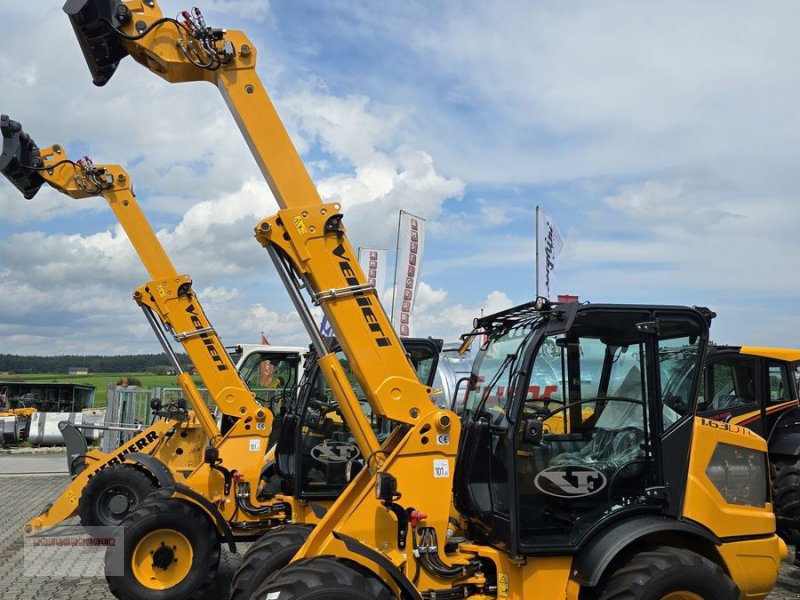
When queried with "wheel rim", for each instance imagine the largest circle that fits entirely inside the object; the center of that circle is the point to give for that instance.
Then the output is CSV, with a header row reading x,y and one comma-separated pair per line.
x,y
682,596
162,559
114,503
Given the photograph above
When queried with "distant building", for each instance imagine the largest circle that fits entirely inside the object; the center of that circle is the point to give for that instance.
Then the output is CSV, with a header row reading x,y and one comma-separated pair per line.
x,y
78,371
165,370
48,397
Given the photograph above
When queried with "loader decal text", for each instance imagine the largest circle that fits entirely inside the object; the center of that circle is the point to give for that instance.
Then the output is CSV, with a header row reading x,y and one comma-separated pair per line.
x,y
363,301
137,446
207,340
713,424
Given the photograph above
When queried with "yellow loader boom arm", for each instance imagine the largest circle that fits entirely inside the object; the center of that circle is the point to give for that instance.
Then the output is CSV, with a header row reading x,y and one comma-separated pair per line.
x,y
188,50
308,245
168,300
399,544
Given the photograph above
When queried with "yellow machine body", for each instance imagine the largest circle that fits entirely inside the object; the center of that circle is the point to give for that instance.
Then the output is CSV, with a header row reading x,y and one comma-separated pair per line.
x,y
177,443
419,457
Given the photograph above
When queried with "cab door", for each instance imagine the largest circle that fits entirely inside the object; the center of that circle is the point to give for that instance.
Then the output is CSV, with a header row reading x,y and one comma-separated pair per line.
x,y
732,390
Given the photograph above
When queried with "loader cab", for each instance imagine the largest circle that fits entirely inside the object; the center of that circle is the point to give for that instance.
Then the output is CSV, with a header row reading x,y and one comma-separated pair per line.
x,y
271,372
752,387
570,416
316,455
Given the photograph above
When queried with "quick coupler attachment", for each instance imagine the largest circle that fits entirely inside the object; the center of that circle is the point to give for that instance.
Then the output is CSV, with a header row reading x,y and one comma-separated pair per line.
x,y
96,24
20,158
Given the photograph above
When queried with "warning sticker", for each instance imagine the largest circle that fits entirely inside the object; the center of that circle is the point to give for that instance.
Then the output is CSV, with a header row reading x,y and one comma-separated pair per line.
x,y
300,225
441,467
502,585
255,445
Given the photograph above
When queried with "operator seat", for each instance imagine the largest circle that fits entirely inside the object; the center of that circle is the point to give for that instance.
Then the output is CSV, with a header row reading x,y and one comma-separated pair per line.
x,y
617,442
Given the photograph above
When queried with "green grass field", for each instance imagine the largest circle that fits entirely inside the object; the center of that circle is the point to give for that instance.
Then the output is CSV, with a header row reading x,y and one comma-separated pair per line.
x,y
100,381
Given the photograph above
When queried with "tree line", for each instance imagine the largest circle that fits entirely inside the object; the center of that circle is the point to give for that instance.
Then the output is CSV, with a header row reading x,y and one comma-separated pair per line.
x,y
131,363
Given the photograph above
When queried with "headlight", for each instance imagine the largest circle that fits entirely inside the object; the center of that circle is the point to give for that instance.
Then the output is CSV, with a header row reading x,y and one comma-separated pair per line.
x,y
739,474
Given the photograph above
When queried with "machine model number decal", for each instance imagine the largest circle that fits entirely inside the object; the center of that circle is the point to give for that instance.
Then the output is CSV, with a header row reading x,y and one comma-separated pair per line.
x,y
711,423
570,481
255,445
443,439
441,468
334,452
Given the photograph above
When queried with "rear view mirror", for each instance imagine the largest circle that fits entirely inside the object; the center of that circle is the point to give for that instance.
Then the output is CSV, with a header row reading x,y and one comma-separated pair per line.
x,y
532,431
20,153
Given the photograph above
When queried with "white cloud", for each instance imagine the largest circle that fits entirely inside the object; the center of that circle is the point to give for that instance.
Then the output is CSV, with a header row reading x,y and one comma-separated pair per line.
x,y
436,316
350,127
251,10
662,205
675,126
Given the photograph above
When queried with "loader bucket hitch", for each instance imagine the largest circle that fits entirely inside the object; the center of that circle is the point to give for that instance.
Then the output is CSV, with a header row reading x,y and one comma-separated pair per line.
x,y
20,153
95,22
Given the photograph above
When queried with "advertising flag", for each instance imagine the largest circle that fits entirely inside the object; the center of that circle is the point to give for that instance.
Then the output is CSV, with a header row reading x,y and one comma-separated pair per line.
x,y
410,248
373,262
548,247
325,327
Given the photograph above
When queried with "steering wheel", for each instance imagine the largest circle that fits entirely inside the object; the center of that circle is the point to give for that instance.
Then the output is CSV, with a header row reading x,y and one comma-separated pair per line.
x,y
537,412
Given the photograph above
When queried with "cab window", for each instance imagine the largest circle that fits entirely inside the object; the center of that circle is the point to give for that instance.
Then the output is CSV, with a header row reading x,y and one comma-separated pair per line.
x,y
270,375
779,390
677,359
729,384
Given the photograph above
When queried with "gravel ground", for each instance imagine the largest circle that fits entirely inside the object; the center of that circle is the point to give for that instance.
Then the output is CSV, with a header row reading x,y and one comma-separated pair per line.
x,y
22,497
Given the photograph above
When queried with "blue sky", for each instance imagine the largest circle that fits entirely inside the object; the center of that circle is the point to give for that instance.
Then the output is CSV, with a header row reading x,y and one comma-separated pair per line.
x,y
662,136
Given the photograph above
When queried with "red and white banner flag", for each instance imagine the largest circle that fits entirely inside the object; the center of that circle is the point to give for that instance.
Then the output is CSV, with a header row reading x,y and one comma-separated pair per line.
x,y
410,247
373,262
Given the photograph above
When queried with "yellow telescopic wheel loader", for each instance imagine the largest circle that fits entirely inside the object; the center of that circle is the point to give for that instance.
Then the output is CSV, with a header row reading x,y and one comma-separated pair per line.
x,y
184,454
639,500
197,504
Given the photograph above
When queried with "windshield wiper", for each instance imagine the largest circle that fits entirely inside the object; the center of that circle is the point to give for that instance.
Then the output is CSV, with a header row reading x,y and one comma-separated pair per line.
x,y
493,382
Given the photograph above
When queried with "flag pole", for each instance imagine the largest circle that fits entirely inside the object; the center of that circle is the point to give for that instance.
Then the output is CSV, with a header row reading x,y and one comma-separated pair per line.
x,y
396,260
536,237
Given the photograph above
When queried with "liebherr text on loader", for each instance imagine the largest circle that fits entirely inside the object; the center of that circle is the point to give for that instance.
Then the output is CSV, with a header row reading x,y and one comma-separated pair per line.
x,y
647,502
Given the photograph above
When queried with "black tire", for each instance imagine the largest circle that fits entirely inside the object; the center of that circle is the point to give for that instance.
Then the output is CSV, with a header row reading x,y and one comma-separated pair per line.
x,y
786,497
322,578
162,517
270,553
657,573
111,494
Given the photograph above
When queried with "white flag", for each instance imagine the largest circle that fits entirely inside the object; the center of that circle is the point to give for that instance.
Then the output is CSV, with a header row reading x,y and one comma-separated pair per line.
x,y
410,247
548,247
373,263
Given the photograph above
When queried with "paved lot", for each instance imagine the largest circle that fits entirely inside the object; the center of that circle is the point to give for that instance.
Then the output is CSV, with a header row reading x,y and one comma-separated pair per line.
x,y
33,463
22,497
